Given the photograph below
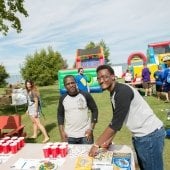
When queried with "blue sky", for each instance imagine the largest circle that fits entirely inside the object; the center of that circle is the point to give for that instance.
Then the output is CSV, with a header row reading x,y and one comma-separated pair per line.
x,y
126,26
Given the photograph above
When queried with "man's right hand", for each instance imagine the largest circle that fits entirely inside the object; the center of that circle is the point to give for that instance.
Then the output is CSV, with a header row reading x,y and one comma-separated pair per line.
x,y
64,137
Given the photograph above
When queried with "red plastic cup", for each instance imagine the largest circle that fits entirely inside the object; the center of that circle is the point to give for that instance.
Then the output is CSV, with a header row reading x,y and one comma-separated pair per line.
x,y
14,138
5,147
10,141
49,144
63,151
6,138
46,151
57,144
22,141
1,148
18,144
54,152
14,147
65,144
2,141
58,149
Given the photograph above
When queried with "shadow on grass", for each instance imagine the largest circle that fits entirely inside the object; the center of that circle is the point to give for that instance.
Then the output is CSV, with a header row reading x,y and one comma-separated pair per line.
x,y
50,127
30,140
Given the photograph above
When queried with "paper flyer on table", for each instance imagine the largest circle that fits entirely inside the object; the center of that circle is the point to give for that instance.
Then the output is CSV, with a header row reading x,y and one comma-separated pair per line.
x,y
27,164
4,157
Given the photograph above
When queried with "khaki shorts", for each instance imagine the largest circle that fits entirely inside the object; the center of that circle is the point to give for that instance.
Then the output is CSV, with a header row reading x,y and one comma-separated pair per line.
x,y
147,85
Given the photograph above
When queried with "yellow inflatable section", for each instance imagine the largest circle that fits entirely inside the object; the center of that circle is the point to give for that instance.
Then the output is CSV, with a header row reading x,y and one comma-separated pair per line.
x,y
137,70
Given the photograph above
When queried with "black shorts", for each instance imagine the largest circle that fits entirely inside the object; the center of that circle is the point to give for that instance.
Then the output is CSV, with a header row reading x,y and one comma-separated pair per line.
x,y
166,87
159,88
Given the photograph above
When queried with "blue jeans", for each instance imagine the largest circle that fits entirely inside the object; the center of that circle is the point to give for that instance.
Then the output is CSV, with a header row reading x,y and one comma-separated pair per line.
x,y
149,150
82,140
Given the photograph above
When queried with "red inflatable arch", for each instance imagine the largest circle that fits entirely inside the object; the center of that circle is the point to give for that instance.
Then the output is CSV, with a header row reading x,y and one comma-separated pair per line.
x,y
139,54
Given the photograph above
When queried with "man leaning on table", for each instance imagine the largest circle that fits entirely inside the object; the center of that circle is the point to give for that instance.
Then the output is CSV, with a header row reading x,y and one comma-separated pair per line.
x,y
75,125
130,108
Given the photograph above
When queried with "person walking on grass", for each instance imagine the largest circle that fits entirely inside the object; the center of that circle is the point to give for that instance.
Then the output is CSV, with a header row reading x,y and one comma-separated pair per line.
x,y
158,75
75,125
34,109
146,80
130,108
166,79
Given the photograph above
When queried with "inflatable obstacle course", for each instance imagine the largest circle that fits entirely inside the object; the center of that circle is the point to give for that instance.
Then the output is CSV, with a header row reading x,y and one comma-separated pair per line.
x,y
135,63
89,72
89,60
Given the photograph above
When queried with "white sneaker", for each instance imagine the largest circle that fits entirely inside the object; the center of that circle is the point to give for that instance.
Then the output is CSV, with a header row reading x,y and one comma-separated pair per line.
x,y
168,118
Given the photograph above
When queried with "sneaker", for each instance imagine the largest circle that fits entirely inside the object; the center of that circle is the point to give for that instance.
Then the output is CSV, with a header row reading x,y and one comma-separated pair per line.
x,y
168,118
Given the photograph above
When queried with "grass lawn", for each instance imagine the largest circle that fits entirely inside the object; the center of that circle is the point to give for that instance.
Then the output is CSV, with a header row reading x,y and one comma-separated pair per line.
x,y
50,96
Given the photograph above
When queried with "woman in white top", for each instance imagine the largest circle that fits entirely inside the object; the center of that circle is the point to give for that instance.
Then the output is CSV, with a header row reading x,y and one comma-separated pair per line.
x,y
34,109
127,76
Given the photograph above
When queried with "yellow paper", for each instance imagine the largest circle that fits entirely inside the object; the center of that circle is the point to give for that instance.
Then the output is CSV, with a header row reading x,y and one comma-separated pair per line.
x,y
84,163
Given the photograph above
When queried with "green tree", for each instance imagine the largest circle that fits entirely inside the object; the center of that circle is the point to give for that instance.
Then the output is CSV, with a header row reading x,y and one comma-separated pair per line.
x,y
3,75
90,45
43,67
106,49
9,10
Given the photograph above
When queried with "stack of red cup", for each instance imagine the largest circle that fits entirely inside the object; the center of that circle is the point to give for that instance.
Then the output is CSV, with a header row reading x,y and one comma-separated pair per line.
x,y
55,150
63,149
11,144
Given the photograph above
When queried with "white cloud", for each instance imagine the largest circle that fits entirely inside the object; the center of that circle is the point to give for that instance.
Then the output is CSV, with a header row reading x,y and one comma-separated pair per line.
x,y
125,26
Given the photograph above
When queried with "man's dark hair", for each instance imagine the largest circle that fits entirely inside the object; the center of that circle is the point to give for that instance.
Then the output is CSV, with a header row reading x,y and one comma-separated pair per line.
x,y
80,69
102,67
68,76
